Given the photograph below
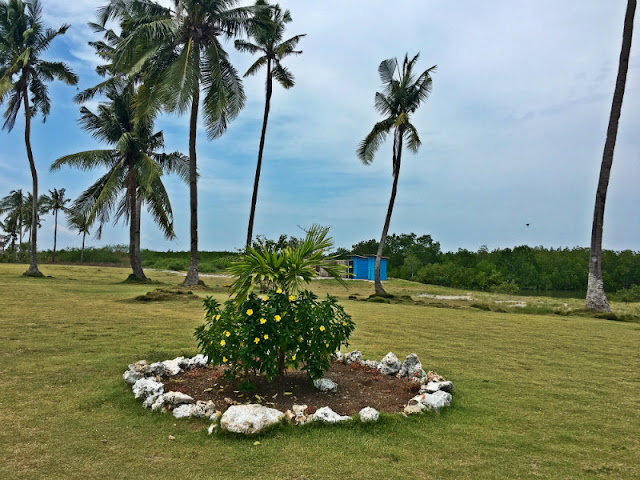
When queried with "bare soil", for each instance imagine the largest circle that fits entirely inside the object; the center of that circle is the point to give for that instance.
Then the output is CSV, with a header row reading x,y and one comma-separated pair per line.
x,y
358,387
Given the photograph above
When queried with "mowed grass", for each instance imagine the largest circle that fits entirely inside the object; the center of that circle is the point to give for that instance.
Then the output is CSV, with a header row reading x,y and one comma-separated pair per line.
x,y
536,396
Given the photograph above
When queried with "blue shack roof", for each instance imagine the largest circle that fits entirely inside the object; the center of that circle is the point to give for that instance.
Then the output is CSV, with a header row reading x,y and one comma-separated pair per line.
x,y
366,256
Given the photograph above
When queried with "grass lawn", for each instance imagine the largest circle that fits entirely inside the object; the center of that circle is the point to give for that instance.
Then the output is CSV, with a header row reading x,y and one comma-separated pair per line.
x,y
536,396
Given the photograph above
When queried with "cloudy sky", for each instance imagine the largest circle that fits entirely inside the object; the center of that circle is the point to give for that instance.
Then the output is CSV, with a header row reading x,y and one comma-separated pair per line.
x,y
512,134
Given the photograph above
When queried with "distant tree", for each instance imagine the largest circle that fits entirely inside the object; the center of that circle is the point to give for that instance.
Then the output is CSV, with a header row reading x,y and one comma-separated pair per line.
x,y
55,202
79,220
596,298
402,95
267,32
23,40
27,214
13,207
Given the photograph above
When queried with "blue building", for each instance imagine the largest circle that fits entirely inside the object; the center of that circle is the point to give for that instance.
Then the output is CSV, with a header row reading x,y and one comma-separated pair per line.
x,y
363,267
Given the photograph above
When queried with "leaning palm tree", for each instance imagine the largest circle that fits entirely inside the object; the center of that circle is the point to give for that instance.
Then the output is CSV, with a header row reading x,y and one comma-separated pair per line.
x,y
27,214
79,220
13,207
402,95
188,58
596,298
267,41
135,165
23,40
55,202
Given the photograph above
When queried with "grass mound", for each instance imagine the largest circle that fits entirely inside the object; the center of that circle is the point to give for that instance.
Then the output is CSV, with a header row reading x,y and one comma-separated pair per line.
x,y
166,294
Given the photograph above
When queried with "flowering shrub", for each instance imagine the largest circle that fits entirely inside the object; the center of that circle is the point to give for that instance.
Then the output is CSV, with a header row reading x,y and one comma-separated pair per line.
x,y
269,334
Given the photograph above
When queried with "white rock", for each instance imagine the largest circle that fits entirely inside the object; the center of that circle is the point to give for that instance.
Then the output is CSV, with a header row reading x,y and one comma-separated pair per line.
x,y
173,366
176,398
184,411
131,376
412,368
325,385
199,361
146,387
389,365
149,401
140,366
368,414
351,357
158,369
435,401
413,409
216,415
211,428
338,356
298,415
249,419
203,409
370,364
325,414
433,387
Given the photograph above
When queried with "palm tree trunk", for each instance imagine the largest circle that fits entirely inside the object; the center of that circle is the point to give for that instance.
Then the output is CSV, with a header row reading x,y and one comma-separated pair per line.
x,y
55,237
134,229
192,275
256,181
596,297
397,154
84,234
33,234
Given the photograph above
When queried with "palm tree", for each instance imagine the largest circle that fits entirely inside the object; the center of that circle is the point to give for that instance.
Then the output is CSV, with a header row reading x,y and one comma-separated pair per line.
x,y
23,40
27,214
80,221
267,35
55,202
402,95
13,206
188,57
134,166
596,298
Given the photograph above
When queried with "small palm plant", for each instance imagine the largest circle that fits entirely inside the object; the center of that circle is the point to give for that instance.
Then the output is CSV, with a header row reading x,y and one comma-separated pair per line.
x,y
288,269
267,32
79,220
403,93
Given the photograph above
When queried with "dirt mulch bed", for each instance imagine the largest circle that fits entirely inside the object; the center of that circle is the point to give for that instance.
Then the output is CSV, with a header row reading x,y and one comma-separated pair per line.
x,y
358,387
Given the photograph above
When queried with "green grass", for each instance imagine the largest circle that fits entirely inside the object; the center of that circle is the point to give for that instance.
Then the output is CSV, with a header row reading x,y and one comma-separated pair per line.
x,y
536,396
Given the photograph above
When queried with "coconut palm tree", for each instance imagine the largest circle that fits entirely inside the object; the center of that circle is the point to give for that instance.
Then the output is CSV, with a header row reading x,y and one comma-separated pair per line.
x,y
188,57
403,93
13,207
596,298
55,202
23,40
267,41
79,220
27,214
134,164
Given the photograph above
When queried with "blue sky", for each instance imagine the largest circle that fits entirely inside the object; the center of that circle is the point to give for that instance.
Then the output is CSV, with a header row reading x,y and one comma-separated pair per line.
x,y
512,134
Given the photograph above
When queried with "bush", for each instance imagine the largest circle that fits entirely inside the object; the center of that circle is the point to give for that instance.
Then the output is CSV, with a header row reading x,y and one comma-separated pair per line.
x,y
509,287
267,335
631,294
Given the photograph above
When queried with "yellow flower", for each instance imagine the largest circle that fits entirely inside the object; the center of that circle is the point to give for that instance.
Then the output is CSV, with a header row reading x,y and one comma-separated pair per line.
x,y
291,298
223,343
297,320
227,333
224,359
266,337
326,345
294,357
263,321
279,290
249,312
256,340
218,317
344,324
205,314
277,318
266,297
322,328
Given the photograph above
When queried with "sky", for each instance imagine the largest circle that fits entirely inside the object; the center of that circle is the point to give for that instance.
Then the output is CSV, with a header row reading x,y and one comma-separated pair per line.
x,y
512,133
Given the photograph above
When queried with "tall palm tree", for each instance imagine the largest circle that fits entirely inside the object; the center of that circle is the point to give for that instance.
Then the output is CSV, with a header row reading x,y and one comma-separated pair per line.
x,y
55,202
134,164
188,57
13,207
23,40
267,36
29,224
402,95
79,220
596,298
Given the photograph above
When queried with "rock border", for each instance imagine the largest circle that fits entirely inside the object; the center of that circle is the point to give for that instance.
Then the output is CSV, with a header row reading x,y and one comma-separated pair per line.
x,y
249,419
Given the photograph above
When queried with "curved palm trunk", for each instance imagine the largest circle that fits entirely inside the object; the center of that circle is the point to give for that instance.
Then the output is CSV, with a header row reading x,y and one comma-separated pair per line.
x,y
596,298
254,199
192,274
134,229
55,237
33,234
397,154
